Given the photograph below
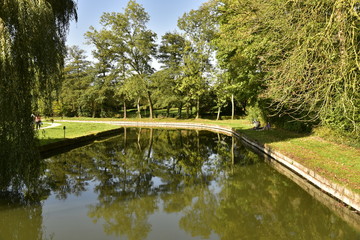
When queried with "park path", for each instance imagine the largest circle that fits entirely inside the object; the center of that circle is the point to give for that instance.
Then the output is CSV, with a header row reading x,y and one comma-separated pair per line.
x,y
51,126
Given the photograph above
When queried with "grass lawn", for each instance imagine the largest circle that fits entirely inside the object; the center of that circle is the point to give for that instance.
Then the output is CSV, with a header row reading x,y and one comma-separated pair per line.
x,y
335,162
72,130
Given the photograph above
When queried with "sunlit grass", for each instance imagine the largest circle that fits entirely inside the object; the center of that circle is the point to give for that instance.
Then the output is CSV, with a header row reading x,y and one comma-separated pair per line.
x,y
72,130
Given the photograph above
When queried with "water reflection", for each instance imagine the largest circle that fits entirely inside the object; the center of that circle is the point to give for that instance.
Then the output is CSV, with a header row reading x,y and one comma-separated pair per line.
x,y
22,187
211,184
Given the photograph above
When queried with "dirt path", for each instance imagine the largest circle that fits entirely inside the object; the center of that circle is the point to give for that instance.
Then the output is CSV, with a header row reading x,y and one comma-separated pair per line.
x,y
51,126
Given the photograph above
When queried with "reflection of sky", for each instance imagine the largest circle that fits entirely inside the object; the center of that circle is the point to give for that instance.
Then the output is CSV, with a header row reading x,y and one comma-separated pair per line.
x,y
163,230
157,182
68,218
215,187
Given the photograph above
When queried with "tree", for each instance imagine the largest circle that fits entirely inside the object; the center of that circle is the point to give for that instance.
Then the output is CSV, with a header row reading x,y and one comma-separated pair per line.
x,y
32,37
222,93
168,80
104,80
304,54
132,45
239,46
319,75
199,28
77,79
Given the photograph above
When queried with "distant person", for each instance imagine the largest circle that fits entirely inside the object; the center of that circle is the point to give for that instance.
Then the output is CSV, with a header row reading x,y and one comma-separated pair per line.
x,y
256,124
33,119
268,126
37,121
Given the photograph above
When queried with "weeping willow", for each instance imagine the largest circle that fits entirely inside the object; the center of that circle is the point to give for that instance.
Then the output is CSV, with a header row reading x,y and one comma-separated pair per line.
x,y
308,51
32,46
319,77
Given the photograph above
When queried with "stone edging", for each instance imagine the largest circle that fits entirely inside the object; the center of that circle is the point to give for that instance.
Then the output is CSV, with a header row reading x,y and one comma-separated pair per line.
x,y
339,192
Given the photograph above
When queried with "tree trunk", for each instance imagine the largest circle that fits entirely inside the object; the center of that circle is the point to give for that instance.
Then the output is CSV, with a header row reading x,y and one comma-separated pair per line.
x,y
168,111
180,110
232,150
218,114
93,109
139,138
125,138
197,108
150,105
124,109
150,144
138,108
102,110
232,107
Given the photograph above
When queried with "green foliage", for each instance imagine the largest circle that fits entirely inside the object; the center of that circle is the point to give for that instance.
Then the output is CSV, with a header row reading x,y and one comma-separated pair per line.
x,y
255,113
77,79
125,47
32,35
304,55
199,27
337,136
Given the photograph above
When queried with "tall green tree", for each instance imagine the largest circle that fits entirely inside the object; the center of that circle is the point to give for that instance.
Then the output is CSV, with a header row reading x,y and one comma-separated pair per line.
x,y
199,28
220,87
32,49
319,75
239,46
77,79
105,68
304,53
168,80
132,45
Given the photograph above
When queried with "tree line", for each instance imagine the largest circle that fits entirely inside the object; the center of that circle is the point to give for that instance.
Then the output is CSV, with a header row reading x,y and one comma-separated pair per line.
x,y
292,63
122,75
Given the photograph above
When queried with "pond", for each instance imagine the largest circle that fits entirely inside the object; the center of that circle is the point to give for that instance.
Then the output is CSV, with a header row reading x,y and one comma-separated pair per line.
x,y
160,184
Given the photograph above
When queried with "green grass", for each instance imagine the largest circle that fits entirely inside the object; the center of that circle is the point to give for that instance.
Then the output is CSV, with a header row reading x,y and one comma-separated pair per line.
x,y
72,130
339,163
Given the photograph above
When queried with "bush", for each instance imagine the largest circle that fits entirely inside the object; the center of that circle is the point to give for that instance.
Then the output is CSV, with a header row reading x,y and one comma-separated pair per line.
x,y
337,136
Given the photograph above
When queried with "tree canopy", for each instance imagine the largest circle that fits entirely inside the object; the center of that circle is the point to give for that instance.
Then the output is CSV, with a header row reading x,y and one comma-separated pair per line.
x,y
290,62
304,53
32,49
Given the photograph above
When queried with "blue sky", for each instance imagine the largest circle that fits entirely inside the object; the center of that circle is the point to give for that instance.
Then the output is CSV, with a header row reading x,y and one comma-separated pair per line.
x,y
163,16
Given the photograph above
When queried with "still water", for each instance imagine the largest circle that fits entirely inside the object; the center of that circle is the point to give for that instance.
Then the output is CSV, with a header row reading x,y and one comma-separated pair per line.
x,y
160,184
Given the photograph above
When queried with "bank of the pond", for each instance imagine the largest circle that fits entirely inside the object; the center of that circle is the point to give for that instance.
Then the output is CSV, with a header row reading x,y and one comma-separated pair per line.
x,y
336,174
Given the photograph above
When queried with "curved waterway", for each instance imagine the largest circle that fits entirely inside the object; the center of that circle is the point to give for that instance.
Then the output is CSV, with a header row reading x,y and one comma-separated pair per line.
x,y
161,184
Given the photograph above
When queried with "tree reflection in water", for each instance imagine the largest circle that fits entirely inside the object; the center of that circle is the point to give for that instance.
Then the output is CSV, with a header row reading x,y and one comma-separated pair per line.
x,y
22,187
211,181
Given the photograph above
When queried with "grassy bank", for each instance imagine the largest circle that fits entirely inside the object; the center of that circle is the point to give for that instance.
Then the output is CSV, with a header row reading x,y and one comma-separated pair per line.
x,y
72,130
335,162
